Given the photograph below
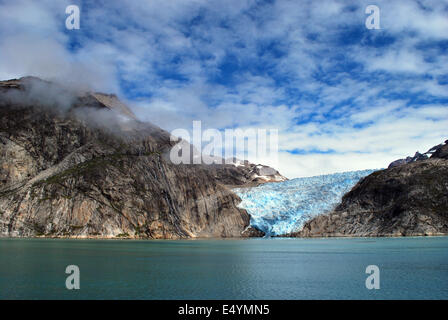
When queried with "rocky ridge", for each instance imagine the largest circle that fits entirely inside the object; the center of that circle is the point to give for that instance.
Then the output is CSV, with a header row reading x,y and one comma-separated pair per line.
x,y
420,156
410,199
79,164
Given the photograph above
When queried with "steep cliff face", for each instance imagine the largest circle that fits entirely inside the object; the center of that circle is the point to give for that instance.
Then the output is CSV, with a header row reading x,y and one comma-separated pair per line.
x,y
81,165
406,200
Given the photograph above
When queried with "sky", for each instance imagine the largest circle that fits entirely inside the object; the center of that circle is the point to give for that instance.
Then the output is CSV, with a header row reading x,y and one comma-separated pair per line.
x,y
343,97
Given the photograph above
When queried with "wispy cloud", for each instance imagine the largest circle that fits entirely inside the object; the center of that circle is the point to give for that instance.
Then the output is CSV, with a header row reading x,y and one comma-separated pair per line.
x,y
342,96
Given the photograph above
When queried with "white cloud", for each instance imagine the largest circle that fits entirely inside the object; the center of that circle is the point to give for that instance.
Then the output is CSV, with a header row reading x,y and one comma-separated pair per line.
x,y
165,57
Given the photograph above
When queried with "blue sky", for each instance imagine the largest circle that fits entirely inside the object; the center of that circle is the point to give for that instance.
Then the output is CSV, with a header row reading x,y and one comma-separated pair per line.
x,y
342,96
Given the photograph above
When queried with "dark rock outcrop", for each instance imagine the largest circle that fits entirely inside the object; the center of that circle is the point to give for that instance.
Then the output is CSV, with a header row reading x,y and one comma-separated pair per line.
x,y
253,232
407,200
243,173
441,152
435,151
81,165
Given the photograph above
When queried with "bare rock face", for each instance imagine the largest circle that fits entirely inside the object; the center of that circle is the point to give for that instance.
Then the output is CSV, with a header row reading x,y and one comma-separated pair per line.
x,y
244,173
407,200
81,165
439,151
252,232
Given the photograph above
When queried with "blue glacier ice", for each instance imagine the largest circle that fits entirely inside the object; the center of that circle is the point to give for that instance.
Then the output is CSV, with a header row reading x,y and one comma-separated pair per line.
x,y
282,207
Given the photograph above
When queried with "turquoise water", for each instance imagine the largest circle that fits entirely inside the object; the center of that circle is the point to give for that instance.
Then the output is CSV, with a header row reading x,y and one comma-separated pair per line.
x,y
410,268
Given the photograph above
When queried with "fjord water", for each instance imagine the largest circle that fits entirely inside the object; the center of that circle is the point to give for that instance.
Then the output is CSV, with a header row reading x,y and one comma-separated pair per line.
x,y
410,268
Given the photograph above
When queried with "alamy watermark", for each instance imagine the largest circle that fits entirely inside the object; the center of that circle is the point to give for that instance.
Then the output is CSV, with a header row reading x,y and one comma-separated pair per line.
x,y
223,147
73,20
73,280
373,280
373,20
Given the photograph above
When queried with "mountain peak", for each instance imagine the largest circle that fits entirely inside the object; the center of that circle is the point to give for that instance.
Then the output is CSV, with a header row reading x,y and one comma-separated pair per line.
x,y
438,151
71,168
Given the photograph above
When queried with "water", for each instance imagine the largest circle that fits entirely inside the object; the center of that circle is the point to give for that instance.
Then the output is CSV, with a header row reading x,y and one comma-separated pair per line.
x,y
283,207
411,268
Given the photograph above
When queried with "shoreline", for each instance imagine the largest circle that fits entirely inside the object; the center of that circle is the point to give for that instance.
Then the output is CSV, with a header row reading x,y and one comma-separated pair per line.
x,y
441,235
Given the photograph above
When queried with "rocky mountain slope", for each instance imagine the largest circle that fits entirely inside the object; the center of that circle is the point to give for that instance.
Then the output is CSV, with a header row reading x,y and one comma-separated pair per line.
x,y
410,199
80,164
244,173
420,156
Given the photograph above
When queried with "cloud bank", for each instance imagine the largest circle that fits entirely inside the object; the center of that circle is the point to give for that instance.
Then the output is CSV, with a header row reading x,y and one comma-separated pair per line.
x,y
343,97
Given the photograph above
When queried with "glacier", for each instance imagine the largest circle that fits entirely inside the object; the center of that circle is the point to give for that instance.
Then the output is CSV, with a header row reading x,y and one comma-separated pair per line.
x,y
282,207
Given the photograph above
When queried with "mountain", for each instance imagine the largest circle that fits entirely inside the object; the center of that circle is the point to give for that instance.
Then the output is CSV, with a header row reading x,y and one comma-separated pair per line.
x,y
245,174
419,156
410,199
80,164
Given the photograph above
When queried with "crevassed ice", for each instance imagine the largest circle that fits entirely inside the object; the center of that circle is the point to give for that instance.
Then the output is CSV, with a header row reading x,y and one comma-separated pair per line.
x,y
283,207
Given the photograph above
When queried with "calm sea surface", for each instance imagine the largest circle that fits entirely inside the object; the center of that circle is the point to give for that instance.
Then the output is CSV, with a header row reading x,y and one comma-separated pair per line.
x,y
410,268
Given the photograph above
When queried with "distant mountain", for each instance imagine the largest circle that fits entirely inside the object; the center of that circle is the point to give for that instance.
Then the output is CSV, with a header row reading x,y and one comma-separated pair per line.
x,y
410,199
79,164
419,156
244,173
